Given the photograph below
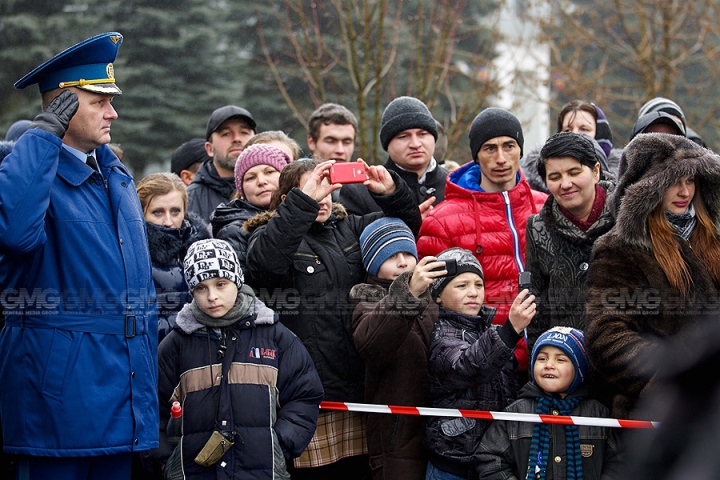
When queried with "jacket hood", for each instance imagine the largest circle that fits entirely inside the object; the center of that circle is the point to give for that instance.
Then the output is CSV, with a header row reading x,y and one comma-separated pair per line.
x,y
338,213
655,161
238,209
168,245
529,166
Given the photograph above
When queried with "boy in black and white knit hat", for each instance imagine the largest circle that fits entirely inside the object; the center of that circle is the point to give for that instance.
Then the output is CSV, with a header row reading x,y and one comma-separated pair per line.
x,y
238,373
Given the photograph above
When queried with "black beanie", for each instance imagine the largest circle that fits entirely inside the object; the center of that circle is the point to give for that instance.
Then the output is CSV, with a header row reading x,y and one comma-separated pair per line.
x,y
568,144
405,113
491,123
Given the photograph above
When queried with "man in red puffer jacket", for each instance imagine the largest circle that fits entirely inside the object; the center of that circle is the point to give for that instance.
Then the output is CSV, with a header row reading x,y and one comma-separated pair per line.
x,y
487,204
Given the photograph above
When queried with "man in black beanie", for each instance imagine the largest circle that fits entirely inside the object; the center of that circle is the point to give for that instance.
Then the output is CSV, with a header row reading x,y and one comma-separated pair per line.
x,y
408,132
487,204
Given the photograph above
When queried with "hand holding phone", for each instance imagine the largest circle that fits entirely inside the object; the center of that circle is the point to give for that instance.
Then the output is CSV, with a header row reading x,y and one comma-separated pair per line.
x,y
450,266
525,282
350,172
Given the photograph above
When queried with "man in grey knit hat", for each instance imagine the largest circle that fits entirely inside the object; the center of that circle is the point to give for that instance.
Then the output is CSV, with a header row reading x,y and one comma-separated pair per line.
x,y
408,132
487,204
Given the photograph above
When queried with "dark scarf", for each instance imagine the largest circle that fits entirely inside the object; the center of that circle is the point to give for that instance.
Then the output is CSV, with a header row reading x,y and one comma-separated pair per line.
x,y
595,212
540,445
244,306
683,223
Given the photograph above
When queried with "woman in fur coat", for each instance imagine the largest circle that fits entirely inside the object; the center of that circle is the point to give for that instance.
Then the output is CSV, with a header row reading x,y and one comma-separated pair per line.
x,y
657,271
171,230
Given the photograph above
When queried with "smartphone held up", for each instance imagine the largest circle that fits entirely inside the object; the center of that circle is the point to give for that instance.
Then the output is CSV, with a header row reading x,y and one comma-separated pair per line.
x,y
348,172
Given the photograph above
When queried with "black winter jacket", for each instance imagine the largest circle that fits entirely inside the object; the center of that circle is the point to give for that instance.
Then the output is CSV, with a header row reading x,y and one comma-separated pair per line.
x,y
357,200
304,270
264,387
208,190
505,447
557,253
227,224
472,367
167,252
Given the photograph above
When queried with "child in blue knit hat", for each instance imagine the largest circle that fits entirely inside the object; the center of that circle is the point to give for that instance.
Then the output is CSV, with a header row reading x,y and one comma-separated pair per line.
x,y
393,320
511,449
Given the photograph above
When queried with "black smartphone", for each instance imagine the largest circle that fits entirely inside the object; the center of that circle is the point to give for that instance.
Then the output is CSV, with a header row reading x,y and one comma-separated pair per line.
x,y
525,281
450,266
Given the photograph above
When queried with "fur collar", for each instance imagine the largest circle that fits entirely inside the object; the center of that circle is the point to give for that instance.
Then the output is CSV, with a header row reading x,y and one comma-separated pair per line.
x,y
338,213
655,161
168,245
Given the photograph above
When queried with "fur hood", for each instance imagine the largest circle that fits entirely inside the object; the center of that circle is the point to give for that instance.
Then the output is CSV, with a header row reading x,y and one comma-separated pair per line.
x,y
655,161
338,213
168,245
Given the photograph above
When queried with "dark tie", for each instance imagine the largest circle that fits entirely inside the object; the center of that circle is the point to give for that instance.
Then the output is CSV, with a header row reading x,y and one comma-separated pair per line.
x,y
92,163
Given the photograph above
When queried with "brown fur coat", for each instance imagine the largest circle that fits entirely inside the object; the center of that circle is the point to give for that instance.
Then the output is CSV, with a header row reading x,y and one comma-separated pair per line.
x,y
632,309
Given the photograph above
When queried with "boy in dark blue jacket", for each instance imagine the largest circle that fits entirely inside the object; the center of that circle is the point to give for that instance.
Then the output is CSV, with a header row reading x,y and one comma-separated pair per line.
x,y
247,385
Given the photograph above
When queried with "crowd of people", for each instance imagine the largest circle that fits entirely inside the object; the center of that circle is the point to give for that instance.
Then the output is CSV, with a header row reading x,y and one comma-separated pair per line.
x,y
248,288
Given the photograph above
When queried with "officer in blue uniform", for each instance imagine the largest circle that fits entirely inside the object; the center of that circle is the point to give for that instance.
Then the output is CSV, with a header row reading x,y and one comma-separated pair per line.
x,y
78,359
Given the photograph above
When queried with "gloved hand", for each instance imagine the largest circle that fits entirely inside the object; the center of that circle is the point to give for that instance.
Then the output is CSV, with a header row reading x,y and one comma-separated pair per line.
x,y
56,117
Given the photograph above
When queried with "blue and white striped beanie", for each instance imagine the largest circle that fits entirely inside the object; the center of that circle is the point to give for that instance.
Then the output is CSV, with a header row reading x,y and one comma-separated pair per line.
x,y
382,239
572,342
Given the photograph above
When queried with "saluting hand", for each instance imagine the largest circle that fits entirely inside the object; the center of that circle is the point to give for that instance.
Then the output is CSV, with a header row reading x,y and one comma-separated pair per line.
x,y
56,117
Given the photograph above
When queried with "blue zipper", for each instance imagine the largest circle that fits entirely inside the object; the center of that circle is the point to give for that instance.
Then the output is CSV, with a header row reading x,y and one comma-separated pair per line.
x,y
513,230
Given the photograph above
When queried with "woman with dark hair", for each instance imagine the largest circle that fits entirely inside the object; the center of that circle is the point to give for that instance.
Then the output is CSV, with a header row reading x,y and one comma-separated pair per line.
x,y
578,116
657,272
559,240
171,230
307,250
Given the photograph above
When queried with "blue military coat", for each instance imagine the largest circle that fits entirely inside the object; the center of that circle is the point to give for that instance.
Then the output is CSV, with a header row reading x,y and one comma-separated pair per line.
x,y
78,354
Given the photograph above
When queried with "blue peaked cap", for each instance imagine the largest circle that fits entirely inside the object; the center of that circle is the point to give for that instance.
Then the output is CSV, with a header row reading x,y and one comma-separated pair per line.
x,y
87,65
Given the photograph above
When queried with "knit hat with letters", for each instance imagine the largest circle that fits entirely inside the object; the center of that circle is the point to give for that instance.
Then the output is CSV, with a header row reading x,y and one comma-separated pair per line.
x,y
572,343
209,259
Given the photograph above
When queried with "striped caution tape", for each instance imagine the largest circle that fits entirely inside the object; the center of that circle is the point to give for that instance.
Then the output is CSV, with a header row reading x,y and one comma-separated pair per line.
x,y
488,415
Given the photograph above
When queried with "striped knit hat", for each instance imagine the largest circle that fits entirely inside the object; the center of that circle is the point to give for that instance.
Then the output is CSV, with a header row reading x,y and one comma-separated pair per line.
x,y
382,239
661,104
572,342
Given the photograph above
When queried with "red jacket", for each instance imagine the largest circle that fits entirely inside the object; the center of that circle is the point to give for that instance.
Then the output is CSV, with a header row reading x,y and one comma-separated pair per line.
x,y
492,226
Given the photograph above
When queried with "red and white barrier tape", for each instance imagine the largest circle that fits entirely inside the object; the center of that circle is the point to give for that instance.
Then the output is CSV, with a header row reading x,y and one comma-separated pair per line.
x,y
488,415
